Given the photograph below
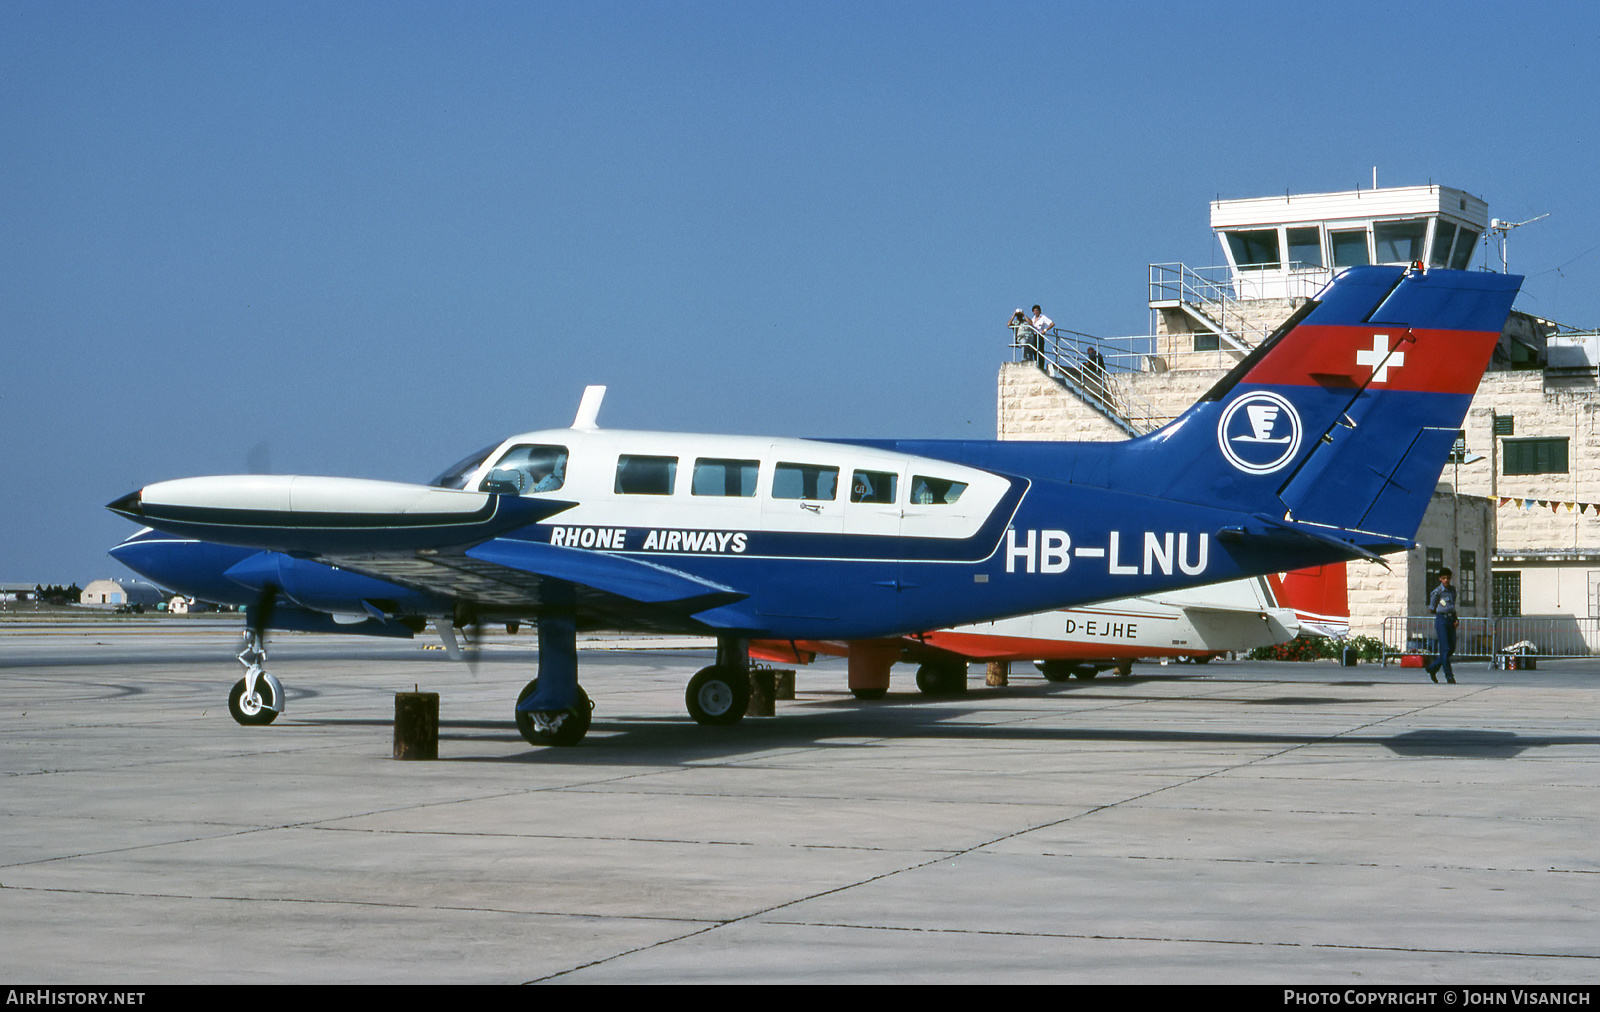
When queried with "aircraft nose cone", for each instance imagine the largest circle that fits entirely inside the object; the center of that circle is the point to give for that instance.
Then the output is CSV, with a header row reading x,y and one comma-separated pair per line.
x,y
130,505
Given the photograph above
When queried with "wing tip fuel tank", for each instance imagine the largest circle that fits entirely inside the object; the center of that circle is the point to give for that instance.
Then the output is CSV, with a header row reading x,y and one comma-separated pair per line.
x,y
304,512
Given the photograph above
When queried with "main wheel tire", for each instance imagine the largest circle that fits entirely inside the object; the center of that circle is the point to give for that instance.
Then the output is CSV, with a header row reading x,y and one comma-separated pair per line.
x,y
1056,671
571,730
942,679
1085,671
869,694
1124,669
1203,658
718,696
253,714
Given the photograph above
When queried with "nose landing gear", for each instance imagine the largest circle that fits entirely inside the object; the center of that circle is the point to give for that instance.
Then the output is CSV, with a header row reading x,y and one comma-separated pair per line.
x,y
257,698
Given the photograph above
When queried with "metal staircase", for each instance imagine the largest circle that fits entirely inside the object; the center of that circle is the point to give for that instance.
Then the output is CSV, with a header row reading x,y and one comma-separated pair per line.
x,y
1209,301
1076,362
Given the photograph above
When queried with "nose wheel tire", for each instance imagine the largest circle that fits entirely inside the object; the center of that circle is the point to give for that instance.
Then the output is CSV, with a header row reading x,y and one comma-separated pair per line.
x,y
571,728
259,709
718,696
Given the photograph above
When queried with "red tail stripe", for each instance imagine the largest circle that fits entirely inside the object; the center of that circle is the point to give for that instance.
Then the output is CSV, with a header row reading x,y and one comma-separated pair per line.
x,y
1437,361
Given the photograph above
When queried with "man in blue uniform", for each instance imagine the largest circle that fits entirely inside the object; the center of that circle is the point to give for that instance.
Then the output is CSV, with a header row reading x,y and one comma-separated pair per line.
x,y
1442,603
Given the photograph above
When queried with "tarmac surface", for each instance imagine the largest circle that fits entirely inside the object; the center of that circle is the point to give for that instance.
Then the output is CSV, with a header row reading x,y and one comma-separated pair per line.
x,y
1234,823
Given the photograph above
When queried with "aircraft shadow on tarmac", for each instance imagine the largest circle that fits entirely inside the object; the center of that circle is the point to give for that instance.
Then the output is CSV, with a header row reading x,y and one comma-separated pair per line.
x,y
674,738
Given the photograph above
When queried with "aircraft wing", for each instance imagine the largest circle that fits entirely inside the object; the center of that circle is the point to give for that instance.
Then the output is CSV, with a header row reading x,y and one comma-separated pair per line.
x,y
512,577
446,543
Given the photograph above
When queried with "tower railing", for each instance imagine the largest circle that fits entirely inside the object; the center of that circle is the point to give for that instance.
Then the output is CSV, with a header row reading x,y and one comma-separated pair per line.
x,y
1094,369
1213,296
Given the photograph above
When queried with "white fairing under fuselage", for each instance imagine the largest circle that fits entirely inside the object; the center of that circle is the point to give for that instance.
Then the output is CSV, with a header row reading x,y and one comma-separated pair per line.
x,y
1237,615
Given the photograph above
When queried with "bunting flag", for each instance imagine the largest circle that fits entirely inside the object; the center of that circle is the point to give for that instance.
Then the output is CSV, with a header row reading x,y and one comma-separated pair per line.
x,y
1556,505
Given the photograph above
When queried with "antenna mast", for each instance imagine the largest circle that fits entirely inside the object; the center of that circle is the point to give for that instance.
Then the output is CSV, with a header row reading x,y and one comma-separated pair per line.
x,y
1503,228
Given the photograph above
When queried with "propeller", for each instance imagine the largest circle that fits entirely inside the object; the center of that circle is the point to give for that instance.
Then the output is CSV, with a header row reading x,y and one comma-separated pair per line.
x,y
259,615
471,633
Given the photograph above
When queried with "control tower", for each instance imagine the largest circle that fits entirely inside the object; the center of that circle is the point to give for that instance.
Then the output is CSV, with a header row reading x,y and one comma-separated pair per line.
x,y
1522,441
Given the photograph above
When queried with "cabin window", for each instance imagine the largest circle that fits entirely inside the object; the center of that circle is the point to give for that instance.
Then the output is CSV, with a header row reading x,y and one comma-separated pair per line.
x,y
456,475
1399,242
927,491
725,477
1466,242
1254,250
1349,248
526,469
640,475
872,486
805,481
1305,248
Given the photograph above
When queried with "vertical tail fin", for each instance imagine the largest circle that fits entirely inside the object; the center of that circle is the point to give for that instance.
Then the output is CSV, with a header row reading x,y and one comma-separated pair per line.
x,y
1344,418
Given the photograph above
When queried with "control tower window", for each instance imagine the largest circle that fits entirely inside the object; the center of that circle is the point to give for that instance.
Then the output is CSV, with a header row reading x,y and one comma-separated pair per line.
x,y
1254,250
1349,248
1466,242
1444,233
1399,242
1305,248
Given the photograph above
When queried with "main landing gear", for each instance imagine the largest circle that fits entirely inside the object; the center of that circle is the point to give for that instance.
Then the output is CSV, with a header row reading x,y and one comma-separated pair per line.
x,y
1060,671
554,710
942,678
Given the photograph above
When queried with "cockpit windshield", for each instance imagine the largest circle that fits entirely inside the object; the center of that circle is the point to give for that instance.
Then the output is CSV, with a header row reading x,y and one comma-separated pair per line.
x,y
527,469
456,475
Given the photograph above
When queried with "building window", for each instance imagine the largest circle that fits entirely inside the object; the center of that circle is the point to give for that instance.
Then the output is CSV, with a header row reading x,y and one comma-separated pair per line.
x,y
1207,341
1254,250
1435,562
1534,456
1305,248
1444,233
1505,592
1399,242
1349,248
1469,579
1505,425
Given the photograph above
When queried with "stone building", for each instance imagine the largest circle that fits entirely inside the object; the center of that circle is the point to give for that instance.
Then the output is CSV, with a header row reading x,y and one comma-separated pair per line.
x,y
1517,512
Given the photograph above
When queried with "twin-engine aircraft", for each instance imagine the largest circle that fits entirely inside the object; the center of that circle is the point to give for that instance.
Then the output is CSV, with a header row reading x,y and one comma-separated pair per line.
x,y
1324,444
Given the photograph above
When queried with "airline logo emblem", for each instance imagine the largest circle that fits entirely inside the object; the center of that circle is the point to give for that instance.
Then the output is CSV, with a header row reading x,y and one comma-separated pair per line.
x,y
1259,433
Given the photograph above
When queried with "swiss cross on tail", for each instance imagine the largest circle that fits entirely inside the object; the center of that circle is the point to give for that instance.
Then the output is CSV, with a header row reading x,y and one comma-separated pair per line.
x,y
1380,358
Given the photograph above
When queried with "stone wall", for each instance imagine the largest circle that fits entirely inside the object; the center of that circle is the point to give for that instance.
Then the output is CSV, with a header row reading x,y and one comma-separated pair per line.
x,y
1540,406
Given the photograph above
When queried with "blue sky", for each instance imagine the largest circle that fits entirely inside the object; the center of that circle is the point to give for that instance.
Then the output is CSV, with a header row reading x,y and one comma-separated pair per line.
x,y
367,238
